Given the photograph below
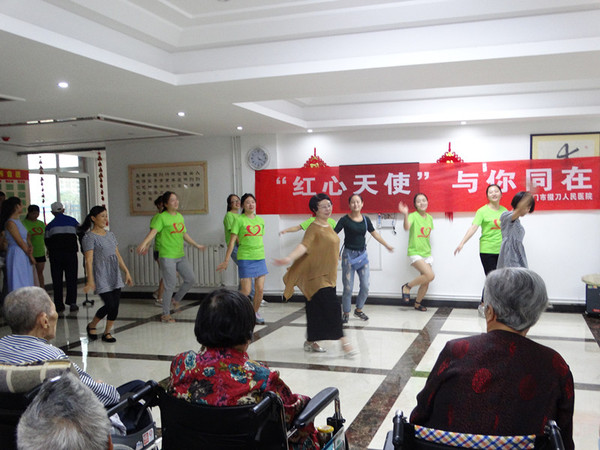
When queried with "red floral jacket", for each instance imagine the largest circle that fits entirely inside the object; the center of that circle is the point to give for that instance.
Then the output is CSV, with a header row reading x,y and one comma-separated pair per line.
x,y
227,377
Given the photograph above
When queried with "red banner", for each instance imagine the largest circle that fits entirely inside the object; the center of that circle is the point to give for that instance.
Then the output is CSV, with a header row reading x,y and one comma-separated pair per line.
x,y
558,184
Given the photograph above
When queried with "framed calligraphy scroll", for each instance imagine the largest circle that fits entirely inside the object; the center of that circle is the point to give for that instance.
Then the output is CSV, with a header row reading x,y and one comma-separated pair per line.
x,y
563,146
187,179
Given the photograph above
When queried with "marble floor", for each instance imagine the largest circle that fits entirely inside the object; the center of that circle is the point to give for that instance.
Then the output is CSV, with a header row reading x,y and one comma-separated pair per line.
x,y
397,348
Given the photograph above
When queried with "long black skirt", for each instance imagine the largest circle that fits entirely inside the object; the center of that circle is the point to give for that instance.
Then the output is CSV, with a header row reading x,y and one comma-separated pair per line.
x,y
324,316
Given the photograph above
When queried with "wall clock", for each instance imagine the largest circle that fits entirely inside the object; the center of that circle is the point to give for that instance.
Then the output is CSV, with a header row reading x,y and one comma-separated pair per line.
x,y
258,158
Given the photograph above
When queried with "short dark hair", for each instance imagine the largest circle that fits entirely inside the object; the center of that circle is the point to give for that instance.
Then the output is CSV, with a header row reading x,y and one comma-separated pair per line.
x,y
229,197
313,203
33,208
520,196
159,201
225,319
415,198
166,196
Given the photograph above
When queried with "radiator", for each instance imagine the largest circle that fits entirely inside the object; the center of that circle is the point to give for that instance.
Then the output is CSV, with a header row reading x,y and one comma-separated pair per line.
x,y
144,270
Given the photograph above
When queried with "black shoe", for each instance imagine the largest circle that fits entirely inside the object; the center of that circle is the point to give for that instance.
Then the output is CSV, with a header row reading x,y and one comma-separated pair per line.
x,y
60,308
108,338
91,337
345,318
361,315
73,307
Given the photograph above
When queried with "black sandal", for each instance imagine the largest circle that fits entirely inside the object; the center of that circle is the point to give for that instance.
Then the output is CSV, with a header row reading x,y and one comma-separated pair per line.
x,y
108,338
91,336
420,307
405,295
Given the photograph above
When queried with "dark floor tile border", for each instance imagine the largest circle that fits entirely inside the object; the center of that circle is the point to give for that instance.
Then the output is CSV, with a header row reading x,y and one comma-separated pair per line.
x,y
587,387
371,417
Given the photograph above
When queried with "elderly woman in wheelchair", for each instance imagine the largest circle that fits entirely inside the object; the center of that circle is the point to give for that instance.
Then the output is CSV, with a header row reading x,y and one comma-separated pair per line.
x,y
501,382
221,374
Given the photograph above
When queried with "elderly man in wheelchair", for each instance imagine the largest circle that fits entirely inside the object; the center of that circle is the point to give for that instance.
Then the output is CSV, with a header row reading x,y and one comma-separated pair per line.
x,y
497,386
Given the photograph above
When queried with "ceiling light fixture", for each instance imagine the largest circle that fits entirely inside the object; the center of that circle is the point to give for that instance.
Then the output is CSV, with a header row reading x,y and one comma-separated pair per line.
x,y
181,114
464,122
240,128
63,85
309,130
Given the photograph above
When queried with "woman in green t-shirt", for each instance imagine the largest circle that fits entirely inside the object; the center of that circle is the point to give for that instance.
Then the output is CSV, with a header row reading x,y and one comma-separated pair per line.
x,y
36,229
171,226
248,231
488,218
419,225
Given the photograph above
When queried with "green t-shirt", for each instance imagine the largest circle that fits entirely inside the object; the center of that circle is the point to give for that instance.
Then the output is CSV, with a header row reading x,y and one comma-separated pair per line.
x,y
171,229
228,224
36,228
489,221
250,233
304,225
418,235
158,236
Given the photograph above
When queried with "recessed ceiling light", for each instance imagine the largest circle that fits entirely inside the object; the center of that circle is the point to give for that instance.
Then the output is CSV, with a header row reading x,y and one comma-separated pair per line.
x,y
181,114
240,128
309,130
63,85
464,122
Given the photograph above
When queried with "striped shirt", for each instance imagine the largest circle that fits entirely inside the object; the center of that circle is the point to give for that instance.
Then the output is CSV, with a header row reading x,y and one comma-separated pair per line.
x,y
23,349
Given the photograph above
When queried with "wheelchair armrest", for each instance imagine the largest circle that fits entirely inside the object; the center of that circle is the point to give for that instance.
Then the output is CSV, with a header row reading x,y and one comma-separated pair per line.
x,y
316,405
553,432
398,431
148,392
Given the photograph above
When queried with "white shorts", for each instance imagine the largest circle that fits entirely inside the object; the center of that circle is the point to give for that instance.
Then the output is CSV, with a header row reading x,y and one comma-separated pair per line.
x,y
415,258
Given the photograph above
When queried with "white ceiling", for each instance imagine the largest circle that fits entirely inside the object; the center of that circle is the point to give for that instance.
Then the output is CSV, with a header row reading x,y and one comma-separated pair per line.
x,y
283,66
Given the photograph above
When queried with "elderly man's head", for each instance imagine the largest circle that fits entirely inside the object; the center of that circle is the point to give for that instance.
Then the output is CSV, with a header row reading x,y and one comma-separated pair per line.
x,y
29,310
517,296
64,414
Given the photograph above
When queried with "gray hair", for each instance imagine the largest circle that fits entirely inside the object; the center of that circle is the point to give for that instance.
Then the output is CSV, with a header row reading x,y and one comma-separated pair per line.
x,y
65,414
23,306
517,295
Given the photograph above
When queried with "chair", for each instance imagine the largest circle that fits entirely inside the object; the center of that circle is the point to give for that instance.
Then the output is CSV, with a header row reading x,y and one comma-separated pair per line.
x,y
260,426
407,436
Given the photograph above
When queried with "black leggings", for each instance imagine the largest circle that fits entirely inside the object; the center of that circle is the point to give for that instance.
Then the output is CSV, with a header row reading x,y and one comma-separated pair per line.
x,y
111,305
489,261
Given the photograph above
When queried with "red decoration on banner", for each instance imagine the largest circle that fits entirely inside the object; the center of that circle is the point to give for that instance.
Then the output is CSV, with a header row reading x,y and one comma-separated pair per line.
x,y
314,162
450,157
558,184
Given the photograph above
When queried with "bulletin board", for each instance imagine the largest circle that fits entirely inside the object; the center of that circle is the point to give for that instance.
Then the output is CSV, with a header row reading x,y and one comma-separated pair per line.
x,y
186,179
15,183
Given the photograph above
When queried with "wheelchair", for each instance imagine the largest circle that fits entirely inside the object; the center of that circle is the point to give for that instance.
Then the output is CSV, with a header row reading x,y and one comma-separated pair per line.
x,y
261,426
407,436
141,435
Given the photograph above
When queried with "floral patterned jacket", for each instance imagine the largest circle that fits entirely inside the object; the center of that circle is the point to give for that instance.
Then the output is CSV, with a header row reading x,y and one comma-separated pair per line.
x,y
227,377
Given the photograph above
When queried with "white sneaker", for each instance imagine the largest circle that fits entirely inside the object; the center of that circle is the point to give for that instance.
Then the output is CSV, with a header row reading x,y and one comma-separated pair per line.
x,y
155,295
158,302
263,303
259,319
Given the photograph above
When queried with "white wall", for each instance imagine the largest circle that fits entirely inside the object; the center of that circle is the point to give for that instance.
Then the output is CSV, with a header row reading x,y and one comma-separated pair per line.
x,y
561,246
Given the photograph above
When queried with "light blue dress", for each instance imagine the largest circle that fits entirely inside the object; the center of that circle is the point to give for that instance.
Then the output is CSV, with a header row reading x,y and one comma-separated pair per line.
x,y
19,270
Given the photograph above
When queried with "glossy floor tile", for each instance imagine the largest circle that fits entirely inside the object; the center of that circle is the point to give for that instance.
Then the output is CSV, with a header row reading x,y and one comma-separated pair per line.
x,y
397,347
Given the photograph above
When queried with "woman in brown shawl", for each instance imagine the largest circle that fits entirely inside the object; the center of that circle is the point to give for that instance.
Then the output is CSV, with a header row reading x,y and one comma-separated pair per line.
x,y
314,271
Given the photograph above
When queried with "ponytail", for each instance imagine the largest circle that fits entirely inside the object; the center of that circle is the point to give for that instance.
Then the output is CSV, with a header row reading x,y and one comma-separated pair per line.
x,y
87,222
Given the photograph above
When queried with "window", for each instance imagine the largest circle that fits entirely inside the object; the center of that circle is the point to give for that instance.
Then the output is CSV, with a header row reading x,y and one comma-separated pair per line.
x,y
65,179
